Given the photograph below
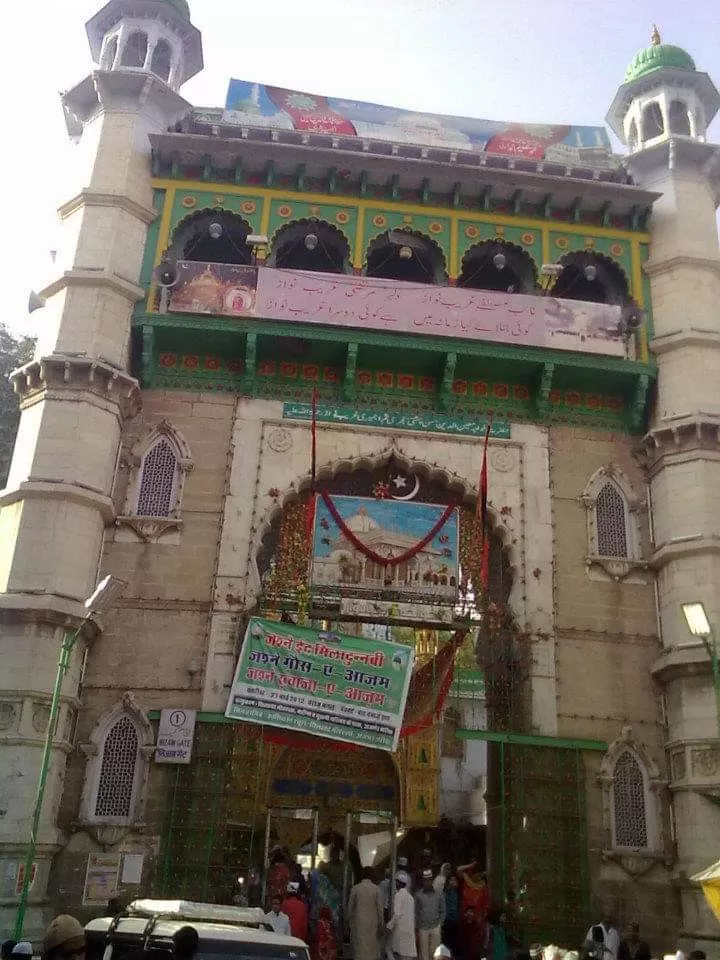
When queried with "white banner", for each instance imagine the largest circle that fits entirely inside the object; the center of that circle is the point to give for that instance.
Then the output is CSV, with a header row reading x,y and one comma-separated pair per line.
x,y
175,736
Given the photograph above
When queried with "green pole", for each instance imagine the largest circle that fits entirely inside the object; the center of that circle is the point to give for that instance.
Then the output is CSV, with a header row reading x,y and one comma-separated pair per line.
x,y
63,664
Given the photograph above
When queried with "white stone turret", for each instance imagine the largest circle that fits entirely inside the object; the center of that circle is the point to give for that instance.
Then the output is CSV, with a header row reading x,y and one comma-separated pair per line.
x,y
662,112
75,397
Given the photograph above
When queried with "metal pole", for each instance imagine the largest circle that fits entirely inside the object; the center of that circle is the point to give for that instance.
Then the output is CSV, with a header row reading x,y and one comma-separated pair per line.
x,y
316,828
711,644
266,864
63,663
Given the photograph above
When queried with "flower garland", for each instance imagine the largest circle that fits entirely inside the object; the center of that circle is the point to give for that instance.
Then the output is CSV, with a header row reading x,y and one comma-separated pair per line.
x,y
369,552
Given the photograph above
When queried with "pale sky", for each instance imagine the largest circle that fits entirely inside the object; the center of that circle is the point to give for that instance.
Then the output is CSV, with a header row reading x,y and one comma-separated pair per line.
x,y
547,61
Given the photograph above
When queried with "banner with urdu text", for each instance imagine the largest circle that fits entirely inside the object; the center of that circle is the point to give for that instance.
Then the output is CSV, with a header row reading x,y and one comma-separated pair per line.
x,y
330,685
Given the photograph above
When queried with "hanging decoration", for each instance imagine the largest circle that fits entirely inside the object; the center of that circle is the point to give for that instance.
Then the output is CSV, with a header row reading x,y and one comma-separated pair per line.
x,y
369,552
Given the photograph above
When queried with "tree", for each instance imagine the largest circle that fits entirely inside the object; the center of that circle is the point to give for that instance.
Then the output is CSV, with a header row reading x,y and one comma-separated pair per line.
x,y
13,354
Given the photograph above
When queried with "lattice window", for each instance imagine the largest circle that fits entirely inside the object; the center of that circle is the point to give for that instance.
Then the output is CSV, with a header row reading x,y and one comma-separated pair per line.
x,y
611,522
116,783
158,481
629,808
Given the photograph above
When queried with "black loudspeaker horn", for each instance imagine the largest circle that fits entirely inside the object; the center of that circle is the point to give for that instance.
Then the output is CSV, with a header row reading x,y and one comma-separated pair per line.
x,y
166,273
35,302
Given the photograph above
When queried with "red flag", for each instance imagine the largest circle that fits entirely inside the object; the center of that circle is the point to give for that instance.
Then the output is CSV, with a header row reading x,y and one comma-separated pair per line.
x,y
481,513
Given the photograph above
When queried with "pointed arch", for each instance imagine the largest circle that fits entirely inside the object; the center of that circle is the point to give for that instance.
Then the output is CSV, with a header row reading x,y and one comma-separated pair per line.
x,y
679,118
593,277
134,50
310,244
193,239
613,517
159,465
406,254
631,783
653,121
162,57
119,752
498,265
632,136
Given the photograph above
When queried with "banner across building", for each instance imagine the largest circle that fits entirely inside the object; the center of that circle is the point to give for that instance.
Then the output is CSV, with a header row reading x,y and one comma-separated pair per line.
x,y
352,689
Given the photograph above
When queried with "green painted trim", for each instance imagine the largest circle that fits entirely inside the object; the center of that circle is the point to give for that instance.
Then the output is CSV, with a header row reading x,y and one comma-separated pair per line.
x,y
201,717
438,345
151,241
528,740
474,426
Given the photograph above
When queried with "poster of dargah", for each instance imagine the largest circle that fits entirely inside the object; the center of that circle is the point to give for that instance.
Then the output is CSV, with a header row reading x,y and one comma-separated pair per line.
x,y
367,547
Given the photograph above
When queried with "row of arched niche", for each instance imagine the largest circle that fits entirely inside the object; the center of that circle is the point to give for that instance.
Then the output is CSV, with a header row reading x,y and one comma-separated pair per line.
x,y
219,236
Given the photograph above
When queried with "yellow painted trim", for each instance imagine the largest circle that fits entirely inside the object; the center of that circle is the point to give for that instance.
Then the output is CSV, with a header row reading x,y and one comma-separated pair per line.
x,y
359,244
265,217
545,245
454,260
163,237
409,208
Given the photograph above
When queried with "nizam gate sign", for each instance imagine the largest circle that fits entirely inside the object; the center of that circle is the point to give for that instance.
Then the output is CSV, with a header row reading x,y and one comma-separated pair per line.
x,y
366,303
352,689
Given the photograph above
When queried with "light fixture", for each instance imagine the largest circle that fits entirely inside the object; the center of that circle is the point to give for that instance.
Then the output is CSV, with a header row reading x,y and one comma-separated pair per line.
x,y
696,619
500,260
590,272
215,230
256,240
405,252
311,241
104,595
552,270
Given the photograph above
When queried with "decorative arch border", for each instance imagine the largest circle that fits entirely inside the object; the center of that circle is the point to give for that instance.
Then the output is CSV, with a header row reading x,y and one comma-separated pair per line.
x,y
195,214
152,528
514,250
635,862
614,568
310,221
467,493
93,750
371,241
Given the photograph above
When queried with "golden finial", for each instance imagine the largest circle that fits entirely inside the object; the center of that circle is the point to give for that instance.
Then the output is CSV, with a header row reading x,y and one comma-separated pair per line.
x,y
655,38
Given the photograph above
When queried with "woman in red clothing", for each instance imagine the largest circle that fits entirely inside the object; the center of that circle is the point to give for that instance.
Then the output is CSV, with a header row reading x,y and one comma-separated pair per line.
x,y
474,908
325,943
297,911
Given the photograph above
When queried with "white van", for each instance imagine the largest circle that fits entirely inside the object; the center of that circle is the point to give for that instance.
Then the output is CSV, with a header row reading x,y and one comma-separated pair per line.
x,y
146,931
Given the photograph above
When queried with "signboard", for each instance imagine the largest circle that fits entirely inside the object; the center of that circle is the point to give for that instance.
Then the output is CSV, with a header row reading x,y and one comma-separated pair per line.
x,y
425,422
175,736
101,878
391,529
468,684
257,105
366,303
326,684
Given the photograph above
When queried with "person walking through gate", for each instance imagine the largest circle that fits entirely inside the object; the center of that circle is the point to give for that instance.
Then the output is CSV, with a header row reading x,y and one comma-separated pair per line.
x,y
297,912
429,916
365,918
402,922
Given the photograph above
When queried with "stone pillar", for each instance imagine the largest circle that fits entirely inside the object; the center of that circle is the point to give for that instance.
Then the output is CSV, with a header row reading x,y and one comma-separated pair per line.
x,y
682,455
75,397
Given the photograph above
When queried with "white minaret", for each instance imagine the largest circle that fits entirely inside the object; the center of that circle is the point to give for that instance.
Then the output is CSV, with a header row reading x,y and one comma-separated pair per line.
x,y
75,397
662,112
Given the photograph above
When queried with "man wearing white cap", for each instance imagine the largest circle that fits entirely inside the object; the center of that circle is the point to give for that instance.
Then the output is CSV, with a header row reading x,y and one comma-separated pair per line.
x,y
296,910
22,950
402,922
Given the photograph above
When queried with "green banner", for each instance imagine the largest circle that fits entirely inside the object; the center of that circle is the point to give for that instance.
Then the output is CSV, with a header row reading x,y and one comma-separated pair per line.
x,y
471,426
468,684
326,684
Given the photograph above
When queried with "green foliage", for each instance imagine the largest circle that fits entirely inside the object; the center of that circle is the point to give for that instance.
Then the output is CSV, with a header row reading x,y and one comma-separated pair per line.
x,y
13,353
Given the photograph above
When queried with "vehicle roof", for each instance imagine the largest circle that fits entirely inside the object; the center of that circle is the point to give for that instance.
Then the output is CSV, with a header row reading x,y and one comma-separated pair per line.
x,y
207,929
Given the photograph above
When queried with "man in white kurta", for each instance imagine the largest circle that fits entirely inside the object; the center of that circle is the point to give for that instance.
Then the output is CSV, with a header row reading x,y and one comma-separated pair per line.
x,y
402,922
365,917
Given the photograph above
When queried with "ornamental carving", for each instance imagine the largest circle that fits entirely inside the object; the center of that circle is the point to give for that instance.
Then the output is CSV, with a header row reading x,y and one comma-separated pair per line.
x,y
705,761
149,529
8,715
503,459
279,440
40,717
678,764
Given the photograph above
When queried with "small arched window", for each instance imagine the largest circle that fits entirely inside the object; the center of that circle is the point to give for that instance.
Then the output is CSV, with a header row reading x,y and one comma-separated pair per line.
x,y
652,121
679,118
611,522
161,60
109,53
118,752
632,137
118,771
629,803
159,472
135,50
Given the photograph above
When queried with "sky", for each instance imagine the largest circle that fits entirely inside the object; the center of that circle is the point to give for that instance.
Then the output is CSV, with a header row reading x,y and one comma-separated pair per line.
x,y
546,61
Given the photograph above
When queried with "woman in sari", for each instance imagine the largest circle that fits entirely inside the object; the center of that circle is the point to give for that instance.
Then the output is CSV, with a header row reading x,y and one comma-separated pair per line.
x,y
325,896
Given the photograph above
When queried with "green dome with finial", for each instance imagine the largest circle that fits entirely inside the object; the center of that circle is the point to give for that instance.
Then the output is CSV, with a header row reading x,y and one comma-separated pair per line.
x,y
181,7
658,56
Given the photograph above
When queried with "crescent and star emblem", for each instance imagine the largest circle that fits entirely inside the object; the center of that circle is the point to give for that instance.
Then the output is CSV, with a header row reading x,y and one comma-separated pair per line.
x,y
399,485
